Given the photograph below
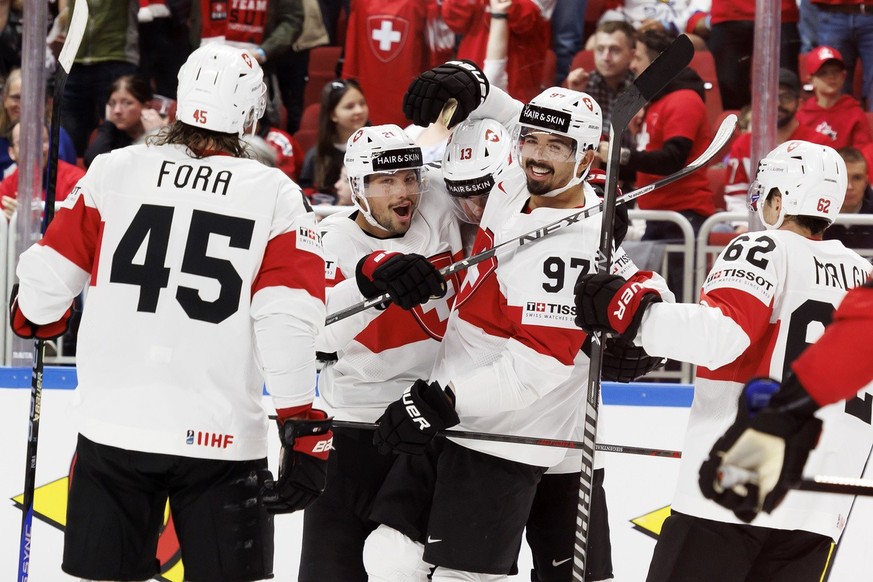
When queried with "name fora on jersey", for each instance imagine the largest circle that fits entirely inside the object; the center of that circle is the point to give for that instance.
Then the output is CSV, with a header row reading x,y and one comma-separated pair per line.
x,y
173,175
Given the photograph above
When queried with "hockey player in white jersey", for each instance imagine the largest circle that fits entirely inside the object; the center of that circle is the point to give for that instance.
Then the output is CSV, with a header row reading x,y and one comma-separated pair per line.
x,y
768,295
772,447
205,280
399,233
479,154
510,361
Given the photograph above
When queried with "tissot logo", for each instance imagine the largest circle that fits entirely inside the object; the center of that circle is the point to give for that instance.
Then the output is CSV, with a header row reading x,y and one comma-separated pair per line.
x,y
550,308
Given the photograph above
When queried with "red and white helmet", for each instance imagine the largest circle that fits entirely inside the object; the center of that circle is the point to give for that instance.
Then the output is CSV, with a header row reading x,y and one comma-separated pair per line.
x,y
812,179
221,88
560,111
477,153
380,149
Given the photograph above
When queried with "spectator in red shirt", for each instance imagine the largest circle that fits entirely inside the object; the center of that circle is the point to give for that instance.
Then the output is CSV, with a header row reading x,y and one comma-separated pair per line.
x,y
289,153
675,130
787,127
831,113
386,51
529,39
732,42
68,175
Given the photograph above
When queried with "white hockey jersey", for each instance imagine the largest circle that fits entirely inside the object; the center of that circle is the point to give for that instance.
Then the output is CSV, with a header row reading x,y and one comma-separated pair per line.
x,y
206,280
774,292
380,353
512,349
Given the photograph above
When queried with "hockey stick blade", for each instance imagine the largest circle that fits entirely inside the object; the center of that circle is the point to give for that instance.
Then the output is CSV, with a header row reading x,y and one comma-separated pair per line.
x,y
721,139
651,81
525,440
76,32
447,112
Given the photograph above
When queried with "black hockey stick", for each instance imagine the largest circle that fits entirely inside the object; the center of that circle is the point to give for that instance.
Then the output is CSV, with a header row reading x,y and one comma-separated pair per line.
x,y
629,102
76,31
721,139
525,440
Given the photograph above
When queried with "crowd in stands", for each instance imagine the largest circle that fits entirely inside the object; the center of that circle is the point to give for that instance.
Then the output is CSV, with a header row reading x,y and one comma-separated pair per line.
x,y
337,65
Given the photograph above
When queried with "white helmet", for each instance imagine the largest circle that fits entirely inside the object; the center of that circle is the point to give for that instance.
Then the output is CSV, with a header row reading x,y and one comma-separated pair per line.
x,y
221,88
380,149
560,111
811,178
476,155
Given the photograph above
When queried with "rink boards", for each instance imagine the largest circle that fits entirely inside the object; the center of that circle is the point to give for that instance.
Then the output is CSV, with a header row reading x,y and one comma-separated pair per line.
x,y
638,488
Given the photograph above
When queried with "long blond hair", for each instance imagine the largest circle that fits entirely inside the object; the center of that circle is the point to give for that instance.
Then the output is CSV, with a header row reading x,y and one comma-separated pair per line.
x,y
201,142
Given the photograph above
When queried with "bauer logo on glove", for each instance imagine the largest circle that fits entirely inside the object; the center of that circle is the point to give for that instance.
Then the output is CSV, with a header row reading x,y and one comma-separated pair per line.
x,y
413,411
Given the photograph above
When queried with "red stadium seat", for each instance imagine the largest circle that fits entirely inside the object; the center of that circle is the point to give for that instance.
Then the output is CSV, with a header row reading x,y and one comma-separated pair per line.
x,y
583,59
704,64
594,9
307,134
549,66
322,70
721,239
717,176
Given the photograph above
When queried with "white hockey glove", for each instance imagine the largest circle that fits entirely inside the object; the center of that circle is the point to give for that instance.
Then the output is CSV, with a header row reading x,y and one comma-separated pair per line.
x,y
761,456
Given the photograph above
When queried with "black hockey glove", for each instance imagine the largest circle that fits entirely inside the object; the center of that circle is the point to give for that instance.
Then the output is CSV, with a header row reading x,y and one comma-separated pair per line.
x,y
24,328
306,445
427,94
761,456
611,304
623,361
597,179
410,279
409,424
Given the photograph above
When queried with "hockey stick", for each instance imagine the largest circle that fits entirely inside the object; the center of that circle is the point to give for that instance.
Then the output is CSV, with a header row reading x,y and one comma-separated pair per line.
x,y
843,485
447,111
628,103
525,440
721,139
730,476
76,31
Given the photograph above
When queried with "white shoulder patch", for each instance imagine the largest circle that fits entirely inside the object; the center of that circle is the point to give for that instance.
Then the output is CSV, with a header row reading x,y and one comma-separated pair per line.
x,y
307,239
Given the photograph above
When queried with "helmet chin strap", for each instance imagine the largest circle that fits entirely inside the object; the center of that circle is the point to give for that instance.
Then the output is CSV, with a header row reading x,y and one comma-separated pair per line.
x,y
574,181
779,220
363,207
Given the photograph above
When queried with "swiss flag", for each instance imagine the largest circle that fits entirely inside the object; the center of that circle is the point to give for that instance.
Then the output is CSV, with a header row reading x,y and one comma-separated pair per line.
x,y
387,36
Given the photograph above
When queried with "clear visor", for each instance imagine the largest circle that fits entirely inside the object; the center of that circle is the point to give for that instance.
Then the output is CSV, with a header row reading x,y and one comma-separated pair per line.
x,y
469,209
395,183
757,196
539,144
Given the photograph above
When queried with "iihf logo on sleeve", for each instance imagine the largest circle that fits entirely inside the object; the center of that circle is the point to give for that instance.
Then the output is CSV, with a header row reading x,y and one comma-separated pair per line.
x,y
189,440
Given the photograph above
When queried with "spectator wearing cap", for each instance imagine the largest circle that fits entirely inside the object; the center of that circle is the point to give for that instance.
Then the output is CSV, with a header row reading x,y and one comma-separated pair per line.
x,y
859,200
847,26
787,127
829,111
